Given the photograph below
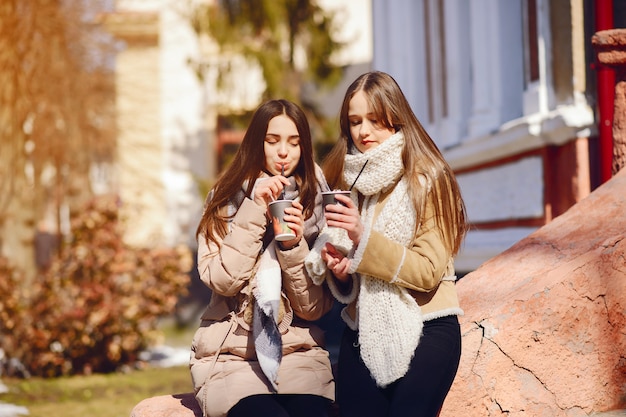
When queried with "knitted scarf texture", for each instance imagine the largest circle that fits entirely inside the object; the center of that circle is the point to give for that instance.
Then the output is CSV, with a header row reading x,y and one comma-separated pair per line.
x,y
389,320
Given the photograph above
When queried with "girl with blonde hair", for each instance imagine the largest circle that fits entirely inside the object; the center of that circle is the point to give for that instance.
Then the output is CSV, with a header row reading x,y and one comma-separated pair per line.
x,y
387,252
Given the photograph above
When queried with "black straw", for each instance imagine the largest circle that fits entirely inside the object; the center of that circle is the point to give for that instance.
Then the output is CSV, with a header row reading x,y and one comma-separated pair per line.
x,y
282,172
358,175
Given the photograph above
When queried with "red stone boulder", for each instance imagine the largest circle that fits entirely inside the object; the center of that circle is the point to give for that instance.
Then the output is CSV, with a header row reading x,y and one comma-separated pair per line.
x,y
177,405
544,330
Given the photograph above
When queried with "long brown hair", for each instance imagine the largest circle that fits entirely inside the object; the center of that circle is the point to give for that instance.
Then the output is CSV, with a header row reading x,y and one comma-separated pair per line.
x,y
249,162
420,156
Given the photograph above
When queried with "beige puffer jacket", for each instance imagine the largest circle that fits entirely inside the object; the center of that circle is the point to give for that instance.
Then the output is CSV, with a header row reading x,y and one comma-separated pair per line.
x,y
223,364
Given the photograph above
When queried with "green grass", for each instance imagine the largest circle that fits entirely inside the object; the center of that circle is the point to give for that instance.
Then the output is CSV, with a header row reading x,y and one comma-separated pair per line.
x,y
110,395
100,395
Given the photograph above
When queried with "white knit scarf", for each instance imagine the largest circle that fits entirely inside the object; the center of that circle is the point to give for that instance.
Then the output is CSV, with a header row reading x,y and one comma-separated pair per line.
x,y
389,319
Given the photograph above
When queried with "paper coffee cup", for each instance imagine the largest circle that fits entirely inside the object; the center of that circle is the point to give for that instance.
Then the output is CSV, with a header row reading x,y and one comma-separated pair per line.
x,y
282,231
328,197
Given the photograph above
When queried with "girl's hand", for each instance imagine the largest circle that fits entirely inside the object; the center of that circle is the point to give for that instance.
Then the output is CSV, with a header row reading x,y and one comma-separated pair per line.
x,y
345,216
295,219
336,262
269,189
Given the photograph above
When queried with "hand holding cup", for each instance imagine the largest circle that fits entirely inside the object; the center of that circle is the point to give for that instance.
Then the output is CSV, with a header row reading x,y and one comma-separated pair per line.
x,y
287,221
344,215
329,197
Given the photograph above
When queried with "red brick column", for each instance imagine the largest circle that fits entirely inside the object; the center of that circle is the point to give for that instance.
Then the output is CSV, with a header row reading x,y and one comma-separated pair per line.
x,y
610,46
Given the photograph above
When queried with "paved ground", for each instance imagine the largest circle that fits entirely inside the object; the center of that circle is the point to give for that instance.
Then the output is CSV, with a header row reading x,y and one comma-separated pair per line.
x,y
10,410
166,356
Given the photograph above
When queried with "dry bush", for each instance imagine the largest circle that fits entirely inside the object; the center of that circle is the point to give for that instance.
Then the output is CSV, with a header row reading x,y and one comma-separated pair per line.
x,y
97,306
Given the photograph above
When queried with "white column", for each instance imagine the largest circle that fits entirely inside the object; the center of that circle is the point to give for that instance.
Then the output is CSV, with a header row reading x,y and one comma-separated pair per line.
x,y
485,75
458,74
399,48
183,130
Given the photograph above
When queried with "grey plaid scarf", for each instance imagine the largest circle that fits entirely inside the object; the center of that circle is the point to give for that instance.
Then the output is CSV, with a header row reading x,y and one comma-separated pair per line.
x,y
268,282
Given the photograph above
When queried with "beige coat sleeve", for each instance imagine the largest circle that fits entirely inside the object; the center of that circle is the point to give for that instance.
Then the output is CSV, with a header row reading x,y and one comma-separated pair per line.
x,y
227,268
308,301
419,267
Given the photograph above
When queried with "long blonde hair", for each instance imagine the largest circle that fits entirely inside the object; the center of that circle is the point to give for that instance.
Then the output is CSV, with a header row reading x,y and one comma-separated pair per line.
x,y
421,156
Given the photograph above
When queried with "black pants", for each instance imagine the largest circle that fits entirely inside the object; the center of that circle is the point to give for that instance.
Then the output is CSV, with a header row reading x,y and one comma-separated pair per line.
x,y
419,393
282,405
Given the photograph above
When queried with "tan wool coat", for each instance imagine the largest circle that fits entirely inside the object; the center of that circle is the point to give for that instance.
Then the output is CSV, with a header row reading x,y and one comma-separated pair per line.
x,y
223,362
421,270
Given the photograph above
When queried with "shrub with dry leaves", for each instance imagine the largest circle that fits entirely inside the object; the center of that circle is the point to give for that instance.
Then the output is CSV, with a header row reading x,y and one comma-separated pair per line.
x,y
97,306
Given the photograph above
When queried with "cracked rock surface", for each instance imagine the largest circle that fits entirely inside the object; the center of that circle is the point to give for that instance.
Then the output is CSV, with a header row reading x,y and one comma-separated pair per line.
x,y
544,330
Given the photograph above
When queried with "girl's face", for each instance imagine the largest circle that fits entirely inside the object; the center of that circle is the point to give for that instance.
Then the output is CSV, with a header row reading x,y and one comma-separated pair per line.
x,y
367,132
282,145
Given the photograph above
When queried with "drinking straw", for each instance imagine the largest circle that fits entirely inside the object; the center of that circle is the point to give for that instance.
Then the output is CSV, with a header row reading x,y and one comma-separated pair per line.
x,y
357,176
282,172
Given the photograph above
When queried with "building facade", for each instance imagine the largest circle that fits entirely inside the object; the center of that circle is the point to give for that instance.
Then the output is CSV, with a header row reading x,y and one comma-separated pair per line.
x,y
171,142
507,90
165,125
